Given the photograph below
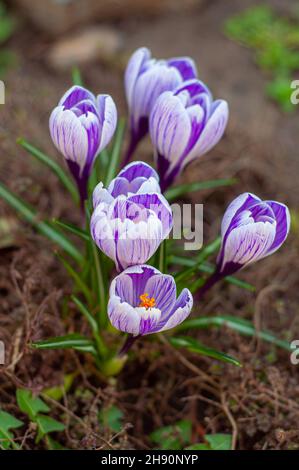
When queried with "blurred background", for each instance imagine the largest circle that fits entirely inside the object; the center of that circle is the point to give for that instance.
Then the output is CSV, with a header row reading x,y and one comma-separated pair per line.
x,y
248,53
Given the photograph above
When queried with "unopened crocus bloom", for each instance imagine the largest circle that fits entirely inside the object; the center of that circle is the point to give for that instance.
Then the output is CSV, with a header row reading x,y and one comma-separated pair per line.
x,y
81,126
145,79
185,124
130,228
251,229
135,178
143,301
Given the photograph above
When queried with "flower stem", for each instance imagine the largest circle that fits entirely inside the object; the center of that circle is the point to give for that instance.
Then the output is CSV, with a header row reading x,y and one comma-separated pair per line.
x,y
211,281
130,340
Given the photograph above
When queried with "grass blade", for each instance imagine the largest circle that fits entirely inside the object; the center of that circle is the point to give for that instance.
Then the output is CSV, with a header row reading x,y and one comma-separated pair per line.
x,y
183,189
115,155
77,279
195,346
55,167
70,341
243,327
72,229
43,227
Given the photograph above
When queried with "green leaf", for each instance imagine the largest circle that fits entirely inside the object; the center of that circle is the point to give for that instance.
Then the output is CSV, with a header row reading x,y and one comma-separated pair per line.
x,y
182,189
43,227
76,76
81,285
72,229
8,422
111,418
7,24
59,391
198,447
115,156
195,346
46,424
244,327
173,437
55,167
29,404
70,341
54,445
89,317
219,441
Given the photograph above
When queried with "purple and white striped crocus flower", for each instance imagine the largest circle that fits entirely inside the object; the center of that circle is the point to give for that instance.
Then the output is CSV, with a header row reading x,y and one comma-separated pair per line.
x,y
129,229
185,124
251,229
135,178
81,126
143,301
145,79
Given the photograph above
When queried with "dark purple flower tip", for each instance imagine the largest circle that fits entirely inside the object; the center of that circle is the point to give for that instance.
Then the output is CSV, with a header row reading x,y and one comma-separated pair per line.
x,y
144,301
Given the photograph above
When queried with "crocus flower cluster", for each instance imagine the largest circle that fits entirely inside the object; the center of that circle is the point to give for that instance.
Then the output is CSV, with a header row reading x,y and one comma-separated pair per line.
x,y
145,80
81,126
131,218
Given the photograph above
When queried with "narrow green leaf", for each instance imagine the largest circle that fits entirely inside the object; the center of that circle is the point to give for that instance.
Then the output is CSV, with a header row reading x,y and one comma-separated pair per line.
x,y
162,257
182,189
29,404
70,341
54,166
115,156
72,229
195,346
59,391
43,227
81,285
244,327
173,437
89,317
206,267
76,76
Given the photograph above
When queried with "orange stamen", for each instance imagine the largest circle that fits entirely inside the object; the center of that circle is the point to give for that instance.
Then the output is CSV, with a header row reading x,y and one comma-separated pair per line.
x,y
146,301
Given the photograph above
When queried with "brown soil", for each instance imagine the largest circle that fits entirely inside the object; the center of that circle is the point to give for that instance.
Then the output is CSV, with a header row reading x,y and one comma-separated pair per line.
x,y
258,404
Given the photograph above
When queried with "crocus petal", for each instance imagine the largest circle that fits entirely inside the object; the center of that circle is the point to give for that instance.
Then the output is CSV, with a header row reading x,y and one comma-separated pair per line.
x,y
180,311
136,279
170,128
108,119
194,88
162,288
69,135
185,65
283,221
157,204
100,194
212,132
248,243
90,122
242,202
74,95
133,69
149,86
123,317
136,169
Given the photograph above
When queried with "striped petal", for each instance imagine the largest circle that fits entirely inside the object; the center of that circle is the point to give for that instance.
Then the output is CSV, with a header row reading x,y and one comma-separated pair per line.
x,y
134,67
185,65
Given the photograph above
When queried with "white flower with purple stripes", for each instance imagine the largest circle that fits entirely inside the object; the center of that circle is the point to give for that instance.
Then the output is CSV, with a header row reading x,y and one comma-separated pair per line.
x,y
185,124
251,230
129,229
144,301
145,79
81,126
